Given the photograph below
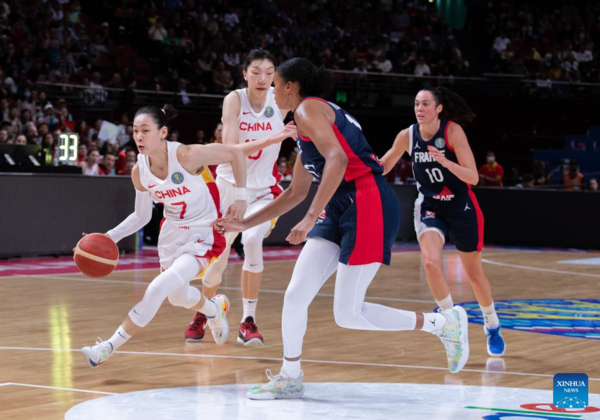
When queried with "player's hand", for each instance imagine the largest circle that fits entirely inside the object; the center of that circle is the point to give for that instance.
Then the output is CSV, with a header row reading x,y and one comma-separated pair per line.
x,y
227,224
438,156
237,210
299,232
290,130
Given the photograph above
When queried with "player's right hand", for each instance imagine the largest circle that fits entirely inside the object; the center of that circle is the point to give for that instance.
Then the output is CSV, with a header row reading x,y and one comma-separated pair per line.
x,y
290,130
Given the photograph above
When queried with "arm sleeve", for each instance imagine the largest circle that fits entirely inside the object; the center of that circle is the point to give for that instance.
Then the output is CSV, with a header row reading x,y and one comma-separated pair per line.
x,y
136,220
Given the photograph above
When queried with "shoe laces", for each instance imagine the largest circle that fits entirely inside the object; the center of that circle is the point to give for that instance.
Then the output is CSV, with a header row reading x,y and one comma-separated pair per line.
x,y
250,326
273,378
198,319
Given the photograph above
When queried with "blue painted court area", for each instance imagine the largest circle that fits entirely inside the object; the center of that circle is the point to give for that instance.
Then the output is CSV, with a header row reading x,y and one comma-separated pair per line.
x,y
579,318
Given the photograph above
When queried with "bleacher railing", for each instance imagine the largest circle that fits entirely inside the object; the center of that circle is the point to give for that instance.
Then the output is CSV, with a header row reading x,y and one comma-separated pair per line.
x,y
356,89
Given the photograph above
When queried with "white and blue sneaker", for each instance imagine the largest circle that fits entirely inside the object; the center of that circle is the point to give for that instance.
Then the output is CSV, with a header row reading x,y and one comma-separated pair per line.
x,y
97,354
455,337
219,327
495,342
279,386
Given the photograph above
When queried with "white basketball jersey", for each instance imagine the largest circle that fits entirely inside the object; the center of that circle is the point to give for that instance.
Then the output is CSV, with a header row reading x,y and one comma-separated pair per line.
x,y
262,171
187,198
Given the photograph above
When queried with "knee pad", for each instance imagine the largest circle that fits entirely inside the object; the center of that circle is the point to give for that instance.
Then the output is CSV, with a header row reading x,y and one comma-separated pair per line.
x,y
185,297
253,247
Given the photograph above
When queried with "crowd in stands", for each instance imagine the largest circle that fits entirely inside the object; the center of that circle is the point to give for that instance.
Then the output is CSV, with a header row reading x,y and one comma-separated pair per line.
x,y
543,41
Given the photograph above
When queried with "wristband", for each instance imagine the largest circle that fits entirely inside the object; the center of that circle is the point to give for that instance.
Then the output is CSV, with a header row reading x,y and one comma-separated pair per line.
x,y
240,194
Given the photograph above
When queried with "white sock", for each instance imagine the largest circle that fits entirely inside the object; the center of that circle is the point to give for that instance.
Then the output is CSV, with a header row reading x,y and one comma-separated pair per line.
x,y
249,308
489,316
119,338
433,322
209,309
292,369
445,303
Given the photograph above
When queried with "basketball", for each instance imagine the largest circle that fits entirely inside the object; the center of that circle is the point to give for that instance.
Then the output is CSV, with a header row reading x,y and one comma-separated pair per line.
x,y
96,255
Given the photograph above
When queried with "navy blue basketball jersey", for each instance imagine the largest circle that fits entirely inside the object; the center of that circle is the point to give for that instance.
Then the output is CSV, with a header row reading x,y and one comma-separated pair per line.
x,y
433,180
361,158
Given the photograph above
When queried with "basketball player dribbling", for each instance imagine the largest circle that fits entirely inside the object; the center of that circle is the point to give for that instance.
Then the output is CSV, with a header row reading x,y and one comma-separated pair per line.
x,y
249,115
176,176
444,168
351,225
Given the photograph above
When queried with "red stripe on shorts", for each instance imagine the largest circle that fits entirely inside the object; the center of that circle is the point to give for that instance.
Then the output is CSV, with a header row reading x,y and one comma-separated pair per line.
x,y
219,240
368,245
480,220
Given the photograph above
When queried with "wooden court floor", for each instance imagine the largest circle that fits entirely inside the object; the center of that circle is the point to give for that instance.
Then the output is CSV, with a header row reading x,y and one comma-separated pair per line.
x,y
45,320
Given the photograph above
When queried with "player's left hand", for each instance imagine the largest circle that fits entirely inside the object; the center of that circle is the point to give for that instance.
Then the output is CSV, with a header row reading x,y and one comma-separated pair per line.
x,y
237,210
439,157
299,233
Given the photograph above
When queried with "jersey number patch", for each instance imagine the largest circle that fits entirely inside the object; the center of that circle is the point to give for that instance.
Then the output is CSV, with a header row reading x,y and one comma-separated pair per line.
x,y
183,208
435,175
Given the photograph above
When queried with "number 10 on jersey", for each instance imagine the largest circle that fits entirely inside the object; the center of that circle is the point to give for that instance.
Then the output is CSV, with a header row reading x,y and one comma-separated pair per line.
x,y
435,175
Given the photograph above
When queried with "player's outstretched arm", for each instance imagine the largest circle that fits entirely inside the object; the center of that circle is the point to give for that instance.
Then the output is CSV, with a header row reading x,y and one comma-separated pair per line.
x,y
400,146
290,198
253,147
142,213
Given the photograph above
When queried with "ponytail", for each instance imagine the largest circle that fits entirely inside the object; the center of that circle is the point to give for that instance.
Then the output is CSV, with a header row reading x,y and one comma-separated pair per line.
x,y
161,116
313,81
455,107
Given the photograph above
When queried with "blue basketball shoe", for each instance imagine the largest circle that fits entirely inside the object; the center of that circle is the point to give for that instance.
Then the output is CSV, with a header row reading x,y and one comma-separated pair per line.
x,y
495,342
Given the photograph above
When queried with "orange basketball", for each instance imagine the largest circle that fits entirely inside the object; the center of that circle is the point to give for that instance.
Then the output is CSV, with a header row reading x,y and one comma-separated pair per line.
x,y
96,255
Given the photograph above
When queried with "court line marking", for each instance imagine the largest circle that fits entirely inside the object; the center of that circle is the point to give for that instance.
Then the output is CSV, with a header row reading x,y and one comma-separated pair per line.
x,y
546,270
278,359
280,292
59,388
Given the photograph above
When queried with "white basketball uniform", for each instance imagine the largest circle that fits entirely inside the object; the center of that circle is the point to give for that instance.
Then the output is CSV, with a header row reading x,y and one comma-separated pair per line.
x,y
262,179
191,205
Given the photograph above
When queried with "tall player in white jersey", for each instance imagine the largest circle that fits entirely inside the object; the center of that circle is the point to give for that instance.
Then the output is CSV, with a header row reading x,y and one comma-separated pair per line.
x,y
249,115
176,176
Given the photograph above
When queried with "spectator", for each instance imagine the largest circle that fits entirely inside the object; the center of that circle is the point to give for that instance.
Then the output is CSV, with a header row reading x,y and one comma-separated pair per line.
x,y
3,136
49,149
222,78
218,134
528,181
491,173
90,165
572,179
200,137
422,69
128,168
501,43
108,164
21,140
15,121
82,152
593,185
100,94
123,136
286,173
383,64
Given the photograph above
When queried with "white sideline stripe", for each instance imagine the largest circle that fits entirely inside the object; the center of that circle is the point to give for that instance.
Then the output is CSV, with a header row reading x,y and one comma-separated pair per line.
x,y
59,388
279,292
546,270
278,359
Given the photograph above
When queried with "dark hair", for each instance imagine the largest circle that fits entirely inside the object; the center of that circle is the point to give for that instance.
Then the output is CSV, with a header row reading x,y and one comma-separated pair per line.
x,y
313,80
258,54
455,107
160,116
